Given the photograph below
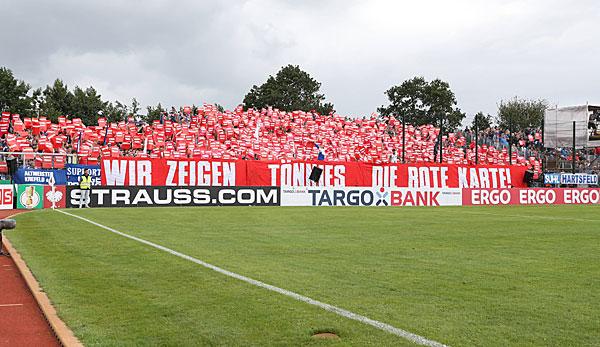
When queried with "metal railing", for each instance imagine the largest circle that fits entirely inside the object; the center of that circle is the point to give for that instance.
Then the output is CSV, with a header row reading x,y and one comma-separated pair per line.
x,y
39,160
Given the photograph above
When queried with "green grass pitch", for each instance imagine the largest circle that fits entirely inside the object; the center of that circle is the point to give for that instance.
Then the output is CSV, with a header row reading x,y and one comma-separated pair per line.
x,y
464,276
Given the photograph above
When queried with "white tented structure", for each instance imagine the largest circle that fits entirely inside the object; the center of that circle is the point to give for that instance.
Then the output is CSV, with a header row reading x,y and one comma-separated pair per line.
x,y
558,126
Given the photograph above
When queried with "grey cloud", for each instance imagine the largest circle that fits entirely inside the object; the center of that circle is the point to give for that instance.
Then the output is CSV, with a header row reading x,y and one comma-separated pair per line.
x,y
210,51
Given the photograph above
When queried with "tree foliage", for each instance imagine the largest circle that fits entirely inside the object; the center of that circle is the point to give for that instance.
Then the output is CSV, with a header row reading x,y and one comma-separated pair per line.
x,y
424,102
37,98
135,108
58,100
87,104
115,112
290,90
519,114
153,113
14,96
481,121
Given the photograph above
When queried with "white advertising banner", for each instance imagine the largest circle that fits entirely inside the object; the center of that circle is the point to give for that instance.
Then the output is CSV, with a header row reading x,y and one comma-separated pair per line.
x,y
558,127
579,179
369,196
427,197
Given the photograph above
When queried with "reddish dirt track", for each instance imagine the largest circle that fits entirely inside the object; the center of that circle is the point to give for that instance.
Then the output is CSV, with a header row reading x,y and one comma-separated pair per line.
x,y
21,320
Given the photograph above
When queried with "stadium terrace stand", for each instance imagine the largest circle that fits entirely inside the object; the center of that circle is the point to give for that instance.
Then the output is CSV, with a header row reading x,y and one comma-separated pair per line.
x,y
267,134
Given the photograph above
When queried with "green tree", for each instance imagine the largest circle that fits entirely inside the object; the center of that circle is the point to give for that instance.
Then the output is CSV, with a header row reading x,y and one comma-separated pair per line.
x,y
424,102
519,114
135,108
153,114
290,90
482,121
37,98
57,100
115,112
14,93
87,104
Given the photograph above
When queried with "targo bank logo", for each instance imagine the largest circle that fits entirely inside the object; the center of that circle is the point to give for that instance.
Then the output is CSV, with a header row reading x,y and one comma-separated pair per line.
x,y
375,197
349,197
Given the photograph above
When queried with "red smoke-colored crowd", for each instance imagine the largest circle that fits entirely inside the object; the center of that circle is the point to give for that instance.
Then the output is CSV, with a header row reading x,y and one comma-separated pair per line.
x,y
266,134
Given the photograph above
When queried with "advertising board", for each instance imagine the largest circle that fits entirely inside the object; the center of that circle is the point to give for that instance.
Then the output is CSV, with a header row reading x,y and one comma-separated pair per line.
x,y
532,196
369,196
6,196
175,196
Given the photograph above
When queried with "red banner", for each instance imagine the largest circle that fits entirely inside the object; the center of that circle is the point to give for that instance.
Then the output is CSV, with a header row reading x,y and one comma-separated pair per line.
x,y
165,172
191,172
55,196
533,196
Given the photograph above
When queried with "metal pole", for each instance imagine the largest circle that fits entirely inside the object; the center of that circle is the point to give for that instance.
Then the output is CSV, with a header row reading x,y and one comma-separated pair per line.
x,y
542,148
476,142
509,140
542,133
403,138
573,155
441,134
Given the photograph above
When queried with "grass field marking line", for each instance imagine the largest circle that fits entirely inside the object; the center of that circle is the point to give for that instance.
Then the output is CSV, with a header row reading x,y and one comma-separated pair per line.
x,y
334,309
10,305
533,216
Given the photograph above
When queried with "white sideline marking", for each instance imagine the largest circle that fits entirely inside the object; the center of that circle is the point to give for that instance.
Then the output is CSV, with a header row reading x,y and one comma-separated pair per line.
x,y
339,311
10,305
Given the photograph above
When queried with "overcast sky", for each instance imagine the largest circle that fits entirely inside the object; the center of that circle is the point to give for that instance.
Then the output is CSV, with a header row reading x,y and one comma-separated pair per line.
x,y
185,52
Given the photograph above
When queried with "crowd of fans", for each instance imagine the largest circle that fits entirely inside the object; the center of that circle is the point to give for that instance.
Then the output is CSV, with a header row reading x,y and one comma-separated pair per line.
x,y
267,134
526,143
